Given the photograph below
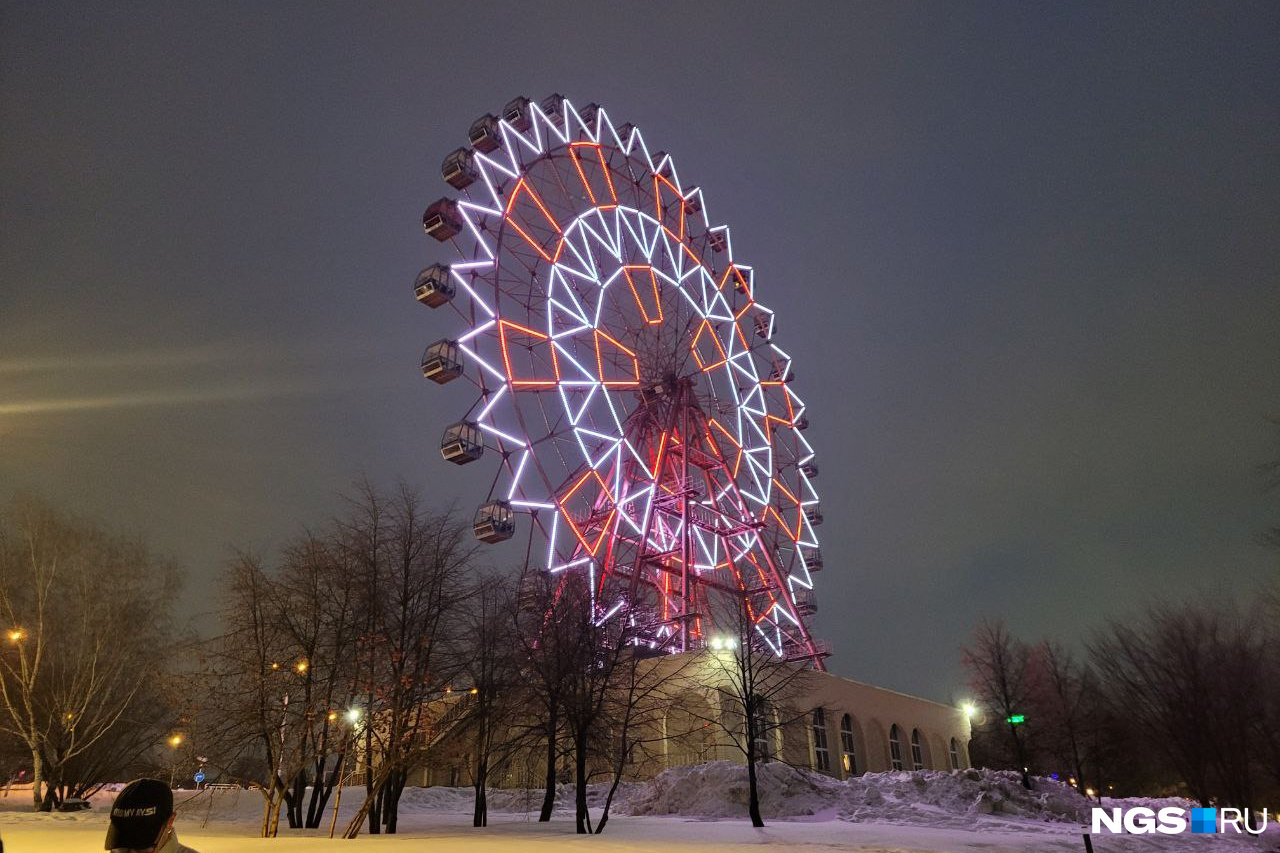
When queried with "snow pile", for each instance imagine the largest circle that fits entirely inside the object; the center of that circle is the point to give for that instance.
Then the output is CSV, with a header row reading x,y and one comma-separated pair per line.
x,y
938,796
719,789
924,797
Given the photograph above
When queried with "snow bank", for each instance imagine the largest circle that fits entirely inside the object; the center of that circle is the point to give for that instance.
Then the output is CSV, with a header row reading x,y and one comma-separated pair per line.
x,y
923,797
719,789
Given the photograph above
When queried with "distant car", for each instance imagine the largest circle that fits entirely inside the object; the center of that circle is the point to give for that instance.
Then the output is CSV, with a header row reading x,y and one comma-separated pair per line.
x,y
74,804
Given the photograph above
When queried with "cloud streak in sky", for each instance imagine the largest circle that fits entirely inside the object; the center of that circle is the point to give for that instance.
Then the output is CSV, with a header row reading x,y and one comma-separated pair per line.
x,y
202,396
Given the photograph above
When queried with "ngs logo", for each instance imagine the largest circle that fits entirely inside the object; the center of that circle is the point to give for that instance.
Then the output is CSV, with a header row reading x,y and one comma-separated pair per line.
x,y
1173,821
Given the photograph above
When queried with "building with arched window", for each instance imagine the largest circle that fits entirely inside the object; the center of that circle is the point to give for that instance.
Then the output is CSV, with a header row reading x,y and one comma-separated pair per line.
x,y
895,748
874,729
848,747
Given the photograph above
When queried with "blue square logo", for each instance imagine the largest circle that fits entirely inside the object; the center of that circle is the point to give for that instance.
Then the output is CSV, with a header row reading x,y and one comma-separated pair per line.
x,y
1204,821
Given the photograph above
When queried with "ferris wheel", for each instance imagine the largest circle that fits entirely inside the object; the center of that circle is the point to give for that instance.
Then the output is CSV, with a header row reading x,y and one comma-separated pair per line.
x,y
645,430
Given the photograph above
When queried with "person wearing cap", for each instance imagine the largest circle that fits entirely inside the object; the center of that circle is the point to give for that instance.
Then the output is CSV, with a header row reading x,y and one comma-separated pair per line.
x,y
142,820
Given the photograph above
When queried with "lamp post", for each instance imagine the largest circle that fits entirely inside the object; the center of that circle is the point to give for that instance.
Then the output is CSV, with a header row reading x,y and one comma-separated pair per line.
x,y
353,721
175,741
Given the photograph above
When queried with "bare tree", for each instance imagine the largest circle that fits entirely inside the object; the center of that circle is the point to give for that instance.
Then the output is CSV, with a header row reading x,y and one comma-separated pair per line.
x,y
254,672
488,660
590,657
547,652
643,689
88,628
753,688
1189,675
316,597
998,670
1062,700
415,565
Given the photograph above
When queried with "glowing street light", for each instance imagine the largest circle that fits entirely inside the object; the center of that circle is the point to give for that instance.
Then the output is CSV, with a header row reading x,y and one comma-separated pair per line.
x,y
970,709
353,716
333,716
17,635
175,741
725,643
301,666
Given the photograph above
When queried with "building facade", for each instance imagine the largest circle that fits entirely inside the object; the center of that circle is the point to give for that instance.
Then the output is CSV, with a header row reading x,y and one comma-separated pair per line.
x,y
829,724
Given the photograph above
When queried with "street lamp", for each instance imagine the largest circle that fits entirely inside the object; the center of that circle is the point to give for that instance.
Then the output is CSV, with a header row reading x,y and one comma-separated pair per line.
x,y
17,635
970,709
175,741
353,719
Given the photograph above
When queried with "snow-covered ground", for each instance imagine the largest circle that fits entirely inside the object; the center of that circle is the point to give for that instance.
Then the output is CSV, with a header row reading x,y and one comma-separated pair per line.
x,y
684,810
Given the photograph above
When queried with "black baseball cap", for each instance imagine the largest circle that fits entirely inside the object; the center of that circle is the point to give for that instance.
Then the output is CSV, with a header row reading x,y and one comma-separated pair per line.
x,y
138,814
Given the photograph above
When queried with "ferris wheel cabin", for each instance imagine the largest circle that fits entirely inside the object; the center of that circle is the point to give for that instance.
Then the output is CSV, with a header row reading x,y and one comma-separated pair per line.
x,y
806,604
693,201
553,106
809,469
494,522
459,170
462,443
441,362
813,512
441,219
483,134
516,113
813,560
434,287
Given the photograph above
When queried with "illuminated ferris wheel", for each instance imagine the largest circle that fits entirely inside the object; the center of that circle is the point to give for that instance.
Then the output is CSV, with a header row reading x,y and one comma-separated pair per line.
x,y
629,384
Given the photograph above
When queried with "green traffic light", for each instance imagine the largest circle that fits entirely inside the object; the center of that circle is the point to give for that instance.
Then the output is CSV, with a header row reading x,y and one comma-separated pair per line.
x,y
1016,719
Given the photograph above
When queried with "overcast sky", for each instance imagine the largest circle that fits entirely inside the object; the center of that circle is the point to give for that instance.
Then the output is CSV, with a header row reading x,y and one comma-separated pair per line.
x,y
1025,256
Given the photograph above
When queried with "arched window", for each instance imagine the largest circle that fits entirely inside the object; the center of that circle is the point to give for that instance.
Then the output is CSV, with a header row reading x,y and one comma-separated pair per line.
x,y
917,754
895,747
955,754
847,759
821,757
763,734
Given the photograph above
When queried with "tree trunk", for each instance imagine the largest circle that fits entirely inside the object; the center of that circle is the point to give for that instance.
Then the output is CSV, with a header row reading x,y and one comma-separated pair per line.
x,y
1021,752
274,828
549,798
391,800
295,800
376,810
582,817
753,789
618,770
37,779
323,789
480,817
268,801
371,797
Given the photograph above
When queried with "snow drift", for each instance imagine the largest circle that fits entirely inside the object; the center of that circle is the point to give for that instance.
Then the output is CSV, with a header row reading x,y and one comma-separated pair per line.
x,y
924,797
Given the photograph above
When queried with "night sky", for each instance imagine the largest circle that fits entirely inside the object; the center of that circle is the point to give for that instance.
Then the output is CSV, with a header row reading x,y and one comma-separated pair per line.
x,y
1025,256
